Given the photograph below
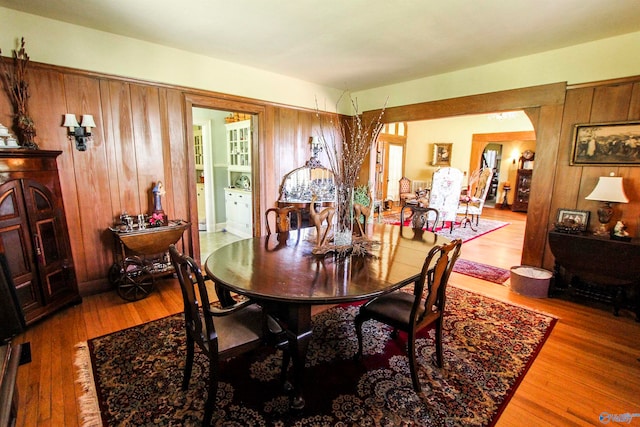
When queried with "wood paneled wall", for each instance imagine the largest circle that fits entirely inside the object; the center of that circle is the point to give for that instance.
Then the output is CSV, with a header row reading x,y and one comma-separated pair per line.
x,y
594,103
554,110
142,137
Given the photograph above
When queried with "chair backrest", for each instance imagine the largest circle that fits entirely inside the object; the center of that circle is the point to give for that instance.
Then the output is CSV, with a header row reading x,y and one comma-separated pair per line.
x,y
430,289
282,218
200,328
445,192
404,185
482,187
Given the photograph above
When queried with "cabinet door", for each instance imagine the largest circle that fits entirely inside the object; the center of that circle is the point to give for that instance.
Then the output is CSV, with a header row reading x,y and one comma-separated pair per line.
x,y
51,244
16,240
523,187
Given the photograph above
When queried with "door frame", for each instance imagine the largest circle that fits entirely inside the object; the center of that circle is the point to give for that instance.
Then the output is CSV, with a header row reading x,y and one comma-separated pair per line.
x,y
223,104
544,105
387,147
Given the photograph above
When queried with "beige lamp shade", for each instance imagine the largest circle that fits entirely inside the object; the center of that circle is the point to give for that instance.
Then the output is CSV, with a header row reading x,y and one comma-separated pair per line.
x,y
609,189
87,121
70,121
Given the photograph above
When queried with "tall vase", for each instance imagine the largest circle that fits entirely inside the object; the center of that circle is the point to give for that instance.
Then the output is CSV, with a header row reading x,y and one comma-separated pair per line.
x,y
27,130
343,234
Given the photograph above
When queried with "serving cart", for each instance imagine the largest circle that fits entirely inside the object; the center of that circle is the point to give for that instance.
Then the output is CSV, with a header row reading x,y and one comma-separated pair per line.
x,y
141,255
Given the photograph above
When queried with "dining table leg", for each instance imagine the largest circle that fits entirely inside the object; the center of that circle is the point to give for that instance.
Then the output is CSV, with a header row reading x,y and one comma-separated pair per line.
x,y
299,335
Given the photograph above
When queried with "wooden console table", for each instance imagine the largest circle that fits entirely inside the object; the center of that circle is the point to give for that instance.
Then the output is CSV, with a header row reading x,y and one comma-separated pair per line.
x,y
613,266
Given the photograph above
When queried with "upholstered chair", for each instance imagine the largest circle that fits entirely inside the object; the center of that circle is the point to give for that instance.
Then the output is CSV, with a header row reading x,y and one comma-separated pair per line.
x,y
444,195
405,191
479,184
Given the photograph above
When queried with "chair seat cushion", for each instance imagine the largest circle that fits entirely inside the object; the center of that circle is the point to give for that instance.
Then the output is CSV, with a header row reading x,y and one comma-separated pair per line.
x,y
393,308
241,327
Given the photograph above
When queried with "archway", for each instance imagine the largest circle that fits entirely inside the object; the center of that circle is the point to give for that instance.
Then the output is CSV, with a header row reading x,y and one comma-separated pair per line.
x,y
544,106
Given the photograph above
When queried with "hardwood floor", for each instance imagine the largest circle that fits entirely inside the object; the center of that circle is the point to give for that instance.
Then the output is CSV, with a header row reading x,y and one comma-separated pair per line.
x,y
589,365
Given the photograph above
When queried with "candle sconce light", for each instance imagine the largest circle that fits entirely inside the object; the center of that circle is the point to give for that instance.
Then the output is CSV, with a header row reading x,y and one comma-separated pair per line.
x,y
81,133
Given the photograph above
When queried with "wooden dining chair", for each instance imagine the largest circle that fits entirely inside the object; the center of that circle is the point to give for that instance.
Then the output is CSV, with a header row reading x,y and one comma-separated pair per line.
x,y
282,218
410,312
220,333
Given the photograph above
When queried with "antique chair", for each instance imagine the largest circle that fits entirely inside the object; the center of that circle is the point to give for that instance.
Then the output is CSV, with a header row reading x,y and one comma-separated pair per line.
x,y
410,312
406,193
473,204
444,195
282,218
220,333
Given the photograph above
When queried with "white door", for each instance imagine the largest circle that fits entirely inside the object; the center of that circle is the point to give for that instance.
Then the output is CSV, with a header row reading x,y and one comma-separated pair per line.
x,y
396,154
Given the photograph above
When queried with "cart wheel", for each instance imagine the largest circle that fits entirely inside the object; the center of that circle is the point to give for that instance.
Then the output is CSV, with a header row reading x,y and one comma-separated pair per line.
x,y
137,281
116,274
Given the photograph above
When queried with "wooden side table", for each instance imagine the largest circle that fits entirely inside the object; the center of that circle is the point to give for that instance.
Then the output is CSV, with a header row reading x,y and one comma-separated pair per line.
x,y
612,266
505,201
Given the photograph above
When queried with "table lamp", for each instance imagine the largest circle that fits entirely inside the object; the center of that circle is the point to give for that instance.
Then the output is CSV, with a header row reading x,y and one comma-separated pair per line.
x,y
608,190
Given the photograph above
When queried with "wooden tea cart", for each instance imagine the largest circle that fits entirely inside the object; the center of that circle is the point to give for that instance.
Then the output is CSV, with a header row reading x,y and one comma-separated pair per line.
x,y
140,256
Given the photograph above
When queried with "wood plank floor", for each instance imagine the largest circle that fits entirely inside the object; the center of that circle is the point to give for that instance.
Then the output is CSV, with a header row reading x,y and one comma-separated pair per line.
x,y
590,364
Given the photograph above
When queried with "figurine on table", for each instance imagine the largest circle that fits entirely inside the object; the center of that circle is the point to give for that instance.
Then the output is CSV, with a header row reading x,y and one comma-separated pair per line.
x,y
620,232
158,218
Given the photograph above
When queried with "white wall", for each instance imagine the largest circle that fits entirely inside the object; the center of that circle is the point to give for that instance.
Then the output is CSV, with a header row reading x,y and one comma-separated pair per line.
x,y
600,60
59,43
459,131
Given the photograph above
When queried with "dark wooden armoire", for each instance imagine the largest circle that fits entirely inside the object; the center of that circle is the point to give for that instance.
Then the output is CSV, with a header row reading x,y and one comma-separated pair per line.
x,y
33,232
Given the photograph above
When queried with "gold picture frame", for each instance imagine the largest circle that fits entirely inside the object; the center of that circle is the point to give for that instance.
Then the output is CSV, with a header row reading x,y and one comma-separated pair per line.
x,y
442,154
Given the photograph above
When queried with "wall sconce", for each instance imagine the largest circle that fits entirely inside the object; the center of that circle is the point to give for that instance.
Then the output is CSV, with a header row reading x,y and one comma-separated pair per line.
x,y
80,132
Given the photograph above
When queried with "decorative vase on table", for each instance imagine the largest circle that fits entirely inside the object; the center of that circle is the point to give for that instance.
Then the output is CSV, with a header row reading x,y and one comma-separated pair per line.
x,y
27,130
346,143
343,234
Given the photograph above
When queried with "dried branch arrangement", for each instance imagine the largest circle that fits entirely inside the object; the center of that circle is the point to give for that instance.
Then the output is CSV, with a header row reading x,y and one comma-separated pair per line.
x,y
15,82
348,143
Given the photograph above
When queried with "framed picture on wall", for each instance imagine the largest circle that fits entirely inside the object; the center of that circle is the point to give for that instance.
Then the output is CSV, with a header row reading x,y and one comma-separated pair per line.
x,y
442,154
606,144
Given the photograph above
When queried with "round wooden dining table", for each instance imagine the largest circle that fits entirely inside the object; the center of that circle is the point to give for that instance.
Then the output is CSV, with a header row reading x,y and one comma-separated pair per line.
x,y
281,273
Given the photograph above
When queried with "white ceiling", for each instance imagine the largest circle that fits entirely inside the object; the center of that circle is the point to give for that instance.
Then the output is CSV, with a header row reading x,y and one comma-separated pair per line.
x,y
352,44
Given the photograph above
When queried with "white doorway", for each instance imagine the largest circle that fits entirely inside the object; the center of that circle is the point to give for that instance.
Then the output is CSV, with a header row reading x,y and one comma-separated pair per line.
x,y
205,179
396,156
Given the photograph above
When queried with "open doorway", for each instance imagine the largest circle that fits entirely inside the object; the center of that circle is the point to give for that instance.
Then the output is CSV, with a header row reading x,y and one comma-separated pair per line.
x,y
511,146
223,170
395,171
390,161
491,158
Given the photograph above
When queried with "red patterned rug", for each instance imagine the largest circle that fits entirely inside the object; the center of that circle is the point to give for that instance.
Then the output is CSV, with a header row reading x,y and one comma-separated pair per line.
x,y
138,373
465,233
481,271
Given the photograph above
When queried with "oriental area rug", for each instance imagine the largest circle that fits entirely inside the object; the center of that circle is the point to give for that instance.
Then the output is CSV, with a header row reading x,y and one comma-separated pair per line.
x,y
133,377
481,271
465,233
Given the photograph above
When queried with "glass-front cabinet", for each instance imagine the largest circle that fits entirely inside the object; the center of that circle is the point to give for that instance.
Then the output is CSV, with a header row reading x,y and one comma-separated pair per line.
x,y
238,195
239,145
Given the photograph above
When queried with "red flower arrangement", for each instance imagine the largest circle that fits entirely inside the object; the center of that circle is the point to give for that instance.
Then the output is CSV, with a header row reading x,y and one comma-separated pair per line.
x,y
156,220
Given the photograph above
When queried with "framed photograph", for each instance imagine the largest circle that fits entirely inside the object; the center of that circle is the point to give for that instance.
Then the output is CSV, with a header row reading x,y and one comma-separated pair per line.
x,y
572,220
442,154
606,144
